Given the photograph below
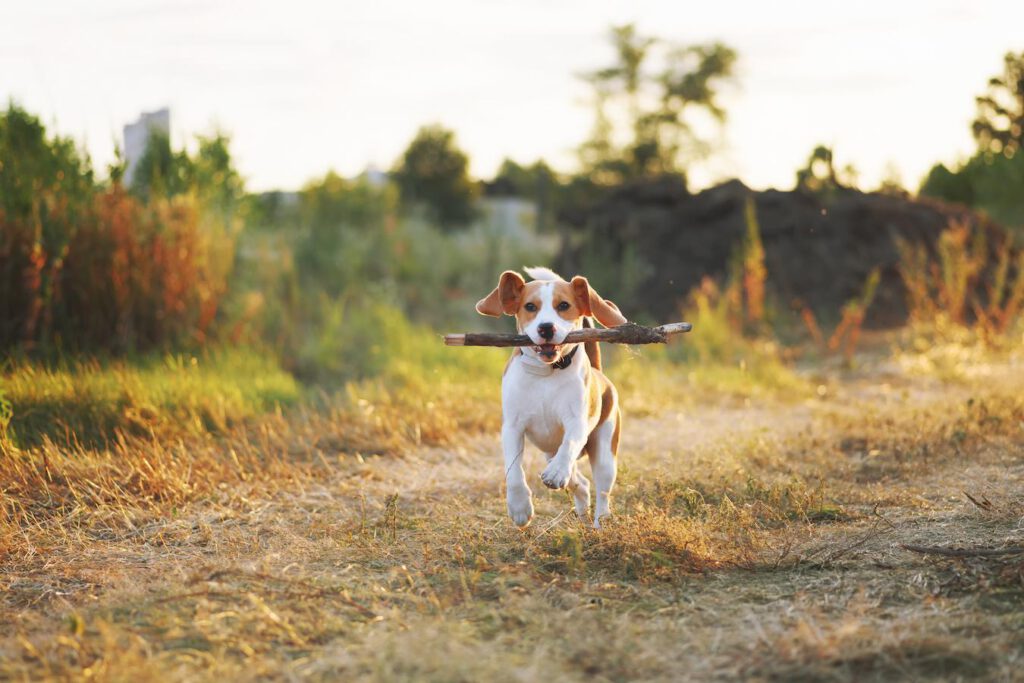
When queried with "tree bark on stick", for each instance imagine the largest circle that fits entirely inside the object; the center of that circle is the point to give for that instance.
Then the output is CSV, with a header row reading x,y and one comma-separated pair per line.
x,y
629,333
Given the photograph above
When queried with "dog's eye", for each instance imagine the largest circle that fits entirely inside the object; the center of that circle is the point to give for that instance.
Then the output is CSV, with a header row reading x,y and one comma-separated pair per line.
x,y
530,307
564,306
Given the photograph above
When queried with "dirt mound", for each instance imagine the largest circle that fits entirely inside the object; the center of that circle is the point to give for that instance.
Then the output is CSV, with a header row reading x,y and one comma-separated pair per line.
x,y
653,242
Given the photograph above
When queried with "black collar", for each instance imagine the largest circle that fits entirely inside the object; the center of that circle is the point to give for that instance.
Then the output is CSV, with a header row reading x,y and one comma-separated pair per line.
x,y
566,360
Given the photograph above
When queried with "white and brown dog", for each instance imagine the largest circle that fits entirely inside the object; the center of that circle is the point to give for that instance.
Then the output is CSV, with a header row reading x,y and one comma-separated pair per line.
x,y
554,396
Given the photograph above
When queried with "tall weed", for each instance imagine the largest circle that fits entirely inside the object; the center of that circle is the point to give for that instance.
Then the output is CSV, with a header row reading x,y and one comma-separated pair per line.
x,y
733,347
966,286
85,267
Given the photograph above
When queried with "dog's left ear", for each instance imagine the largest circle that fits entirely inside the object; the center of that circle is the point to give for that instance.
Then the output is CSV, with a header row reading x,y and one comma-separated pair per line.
x,y
591,303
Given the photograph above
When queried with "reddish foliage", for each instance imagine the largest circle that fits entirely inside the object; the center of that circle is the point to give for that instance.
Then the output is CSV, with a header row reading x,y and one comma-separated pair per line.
x,y
122,276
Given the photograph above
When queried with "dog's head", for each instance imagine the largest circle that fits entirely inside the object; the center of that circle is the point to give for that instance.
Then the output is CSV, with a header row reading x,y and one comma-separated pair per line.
x,y
548,308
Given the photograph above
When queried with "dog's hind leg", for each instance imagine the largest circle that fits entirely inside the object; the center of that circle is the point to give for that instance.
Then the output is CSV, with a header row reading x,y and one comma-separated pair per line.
x,y
580,488
602,448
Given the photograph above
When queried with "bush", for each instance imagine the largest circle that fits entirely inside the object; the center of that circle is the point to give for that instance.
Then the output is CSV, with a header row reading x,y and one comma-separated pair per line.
x,y
969,285
341,293
88,268
734,348
126,276
991,183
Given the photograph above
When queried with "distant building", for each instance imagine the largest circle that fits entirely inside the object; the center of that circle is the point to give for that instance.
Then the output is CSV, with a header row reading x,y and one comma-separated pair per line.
x,y
511,216
374,176
507,212
136,137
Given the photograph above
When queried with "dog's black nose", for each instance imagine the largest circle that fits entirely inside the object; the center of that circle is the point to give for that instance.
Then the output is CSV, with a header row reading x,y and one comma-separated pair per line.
x,y
546,330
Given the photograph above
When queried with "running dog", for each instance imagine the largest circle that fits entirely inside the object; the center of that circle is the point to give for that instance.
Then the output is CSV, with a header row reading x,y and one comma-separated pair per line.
x,y
556,397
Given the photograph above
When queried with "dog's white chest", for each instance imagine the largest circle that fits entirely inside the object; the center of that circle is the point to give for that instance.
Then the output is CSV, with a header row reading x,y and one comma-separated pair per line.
x,y
541,405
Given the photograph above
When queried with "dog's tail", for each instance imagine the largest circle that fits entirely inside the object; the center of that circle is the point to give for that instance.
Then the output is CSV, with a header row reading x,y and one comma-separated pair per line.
x,y
591,347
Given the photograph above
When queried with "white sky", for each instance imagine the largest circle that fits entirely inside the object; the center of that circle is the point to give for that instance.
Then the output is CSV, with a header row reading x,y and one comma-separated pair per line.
x,y
304,86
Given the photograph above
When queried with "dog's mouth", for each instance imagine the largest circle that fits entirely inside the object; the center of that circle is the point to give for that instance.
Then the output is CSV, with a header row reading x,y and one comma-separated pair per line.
x,y
547,352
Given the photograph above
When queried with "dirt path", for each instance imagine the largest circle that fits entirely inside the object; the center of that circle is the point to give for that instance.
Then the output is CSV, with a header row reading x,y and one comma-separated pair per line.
x,y
760,542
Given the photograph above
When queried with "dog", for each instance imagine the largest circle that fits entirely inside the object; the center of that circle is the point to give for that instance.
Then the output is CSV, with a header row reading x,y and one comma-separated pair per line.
x,y
553,395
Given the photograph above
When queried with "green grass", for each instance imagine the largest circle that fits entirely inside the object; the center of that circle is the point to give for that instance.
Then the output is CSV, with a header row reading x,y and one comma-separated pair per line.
x,y
393,367
88,401
652,376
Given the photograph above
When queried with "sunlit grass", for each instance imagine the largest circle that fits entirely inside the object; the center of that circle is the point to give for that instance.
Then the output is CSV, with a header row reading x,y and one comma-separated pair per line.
x,y
954,352
88,401
652,377
314,563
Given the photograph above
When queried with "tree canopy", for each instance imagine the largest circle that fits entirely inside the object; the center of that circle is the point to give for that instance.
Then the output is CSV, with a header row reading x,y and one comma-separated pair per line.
x,y
999,124
434,173
820,175
992,179
36,168
210,173
644,116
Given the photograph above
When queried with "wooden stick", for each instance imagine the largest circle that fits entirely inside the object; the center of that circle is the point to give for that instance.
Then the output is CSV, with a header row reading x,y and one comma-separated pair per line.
x,y
629,333
961,552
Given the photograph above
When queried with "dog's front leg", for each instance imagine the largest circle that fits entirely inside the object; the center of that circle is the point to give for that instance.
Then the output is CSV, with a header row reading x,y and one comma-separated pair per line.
x,y
518,495
559,471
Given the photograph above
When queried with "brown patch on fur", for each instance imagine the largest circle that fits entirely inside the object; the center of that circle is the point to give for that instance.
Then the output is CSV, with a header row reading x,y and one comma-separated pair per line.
x,y
591,303
618,430
563,291
602,396
505,298
609,397
530,295
595,395
581,293
592,348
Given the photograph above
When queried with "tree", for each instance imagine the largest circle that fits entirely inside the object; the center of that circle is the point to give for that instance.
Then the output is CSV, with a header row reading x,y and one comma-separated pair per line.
x,y
992,179
46,193
35,169
524,181
992,183
210,173
161,171
659,135
213,173
433,172
346,236
952,186
999,125
537,182
820,174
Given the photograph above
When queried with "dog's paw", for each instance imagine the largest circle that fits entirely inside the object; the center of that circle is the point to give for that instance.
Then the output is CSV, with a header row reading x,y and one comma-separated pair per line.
x,y
520,508
606,518
556,475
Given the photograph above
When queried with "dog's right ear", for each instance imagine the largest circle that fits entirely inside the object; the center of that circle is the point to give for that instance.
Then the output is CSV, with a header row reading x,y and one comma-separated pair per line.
x,y
591,303
505,297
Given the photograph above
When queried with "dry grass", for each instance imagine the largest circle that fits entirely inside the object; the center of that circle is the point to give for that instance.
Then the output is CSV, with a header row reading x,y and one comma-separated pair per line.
x,y
367,539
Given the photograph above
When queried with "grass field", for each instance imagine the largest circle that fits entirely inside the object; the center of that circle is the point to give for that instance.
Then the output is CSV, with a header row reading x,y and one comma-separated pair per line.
x,y
249,529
